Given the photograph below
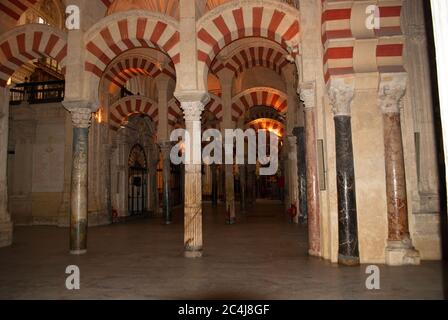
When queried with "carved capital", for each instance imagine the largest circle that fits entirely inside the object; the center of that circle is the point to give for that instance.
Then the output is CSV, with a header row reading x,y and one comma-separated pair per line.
x,y
392,89
81,117
81,112
341,95
192,110
308,95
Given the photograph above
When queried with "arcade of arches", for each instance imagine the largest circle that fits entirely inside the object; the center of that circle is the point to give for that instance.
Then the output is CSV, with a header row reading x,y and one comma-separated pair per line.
x,y
86,117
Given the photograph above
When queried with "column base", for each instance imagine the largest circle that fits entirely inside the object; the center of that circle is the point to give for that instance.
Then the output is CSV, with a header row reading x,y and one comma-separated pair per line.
x,y
313,253
167,223
78,252
401,253
348,261
5,234
193,254
231,221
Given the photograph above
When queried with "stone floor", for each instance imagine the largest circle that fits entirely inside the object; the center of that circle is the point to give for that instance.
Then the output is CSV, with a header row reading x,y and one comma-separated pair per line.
x,y
261,257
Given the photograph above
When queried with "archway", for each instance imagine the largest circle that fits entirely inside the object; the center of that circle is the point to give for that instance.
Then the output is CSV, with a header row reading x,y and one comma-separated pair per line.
x,y
138,181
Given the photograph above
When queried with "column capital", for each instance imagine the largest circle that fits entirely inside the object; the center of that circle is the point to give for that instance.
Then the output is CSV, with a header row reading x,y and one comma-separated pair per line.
x,y
391,91
81,117
341,94
308,95
80,111
192,110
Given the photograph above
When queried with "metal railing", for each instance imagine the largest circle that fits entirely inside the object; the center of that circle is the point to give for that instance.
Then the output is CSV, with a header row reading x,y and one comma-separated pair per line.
x,y
37,92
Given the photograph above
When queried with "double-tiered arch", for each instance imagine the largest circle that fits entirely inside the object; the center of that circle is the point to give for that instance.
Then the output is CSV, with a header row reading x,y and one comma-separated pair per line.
x,y
259,96
129,106
120,32
236,20
29,42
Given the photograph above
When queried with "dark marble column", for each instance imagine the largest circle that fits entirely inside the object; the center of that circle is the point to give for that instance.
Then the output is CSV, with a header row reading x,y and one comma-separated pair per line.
x,y
81,119
308,97
299,132
165,148
399,250
243,187
251,184
341,98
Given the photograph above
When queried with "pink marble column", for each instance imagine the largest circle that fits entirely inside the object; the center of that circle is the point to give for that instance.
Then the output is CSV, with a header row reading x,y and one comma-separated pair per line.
x,y
399,250
308,96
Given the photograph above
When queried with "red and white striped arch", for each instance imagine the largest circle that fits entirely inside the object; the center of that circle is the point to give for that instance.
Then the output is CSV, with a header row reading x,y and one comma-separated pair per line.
x,y
123,31
128,106
175,114
29,42
119,72
233,20
260,96
215,106
267,124
253,57
341,28
14,8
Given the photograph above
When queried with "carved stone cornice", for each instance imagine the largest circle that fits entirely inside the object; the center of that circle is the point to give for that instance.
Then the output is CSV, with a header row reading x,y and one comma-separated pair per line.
x,y
391,91
341,94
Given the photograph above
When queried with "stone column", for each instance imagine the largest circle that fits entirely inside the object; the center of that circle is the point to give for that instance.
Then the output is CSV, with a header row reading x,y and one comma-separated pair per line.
x,y
420,85
399,250
299,132
251,183
152,172
308,96
341,97
226,79
193,180
165,148
293,176
214,185
5,218
81,119
242,169
230,194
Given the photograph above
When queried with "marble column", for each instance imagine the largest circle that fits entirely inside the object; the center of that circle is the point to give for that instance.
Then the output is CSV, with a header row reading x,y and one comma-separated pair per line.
x,y
226,79
242,169
165,148
193,180
293,175
230,194
5,218
251,186
81,120
341,97
308,96
399,250
299,132
214,185
153,192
